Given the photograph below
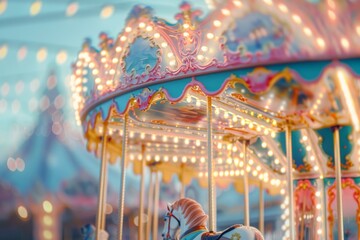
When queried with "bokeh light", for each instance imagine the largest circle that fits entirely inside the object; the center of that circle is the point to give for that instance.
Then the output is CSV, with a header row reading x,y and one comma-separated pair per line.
x,y
3,6
23,213
35,8
107,12
3,51
72,9
61,57
22,52
47,206
41,54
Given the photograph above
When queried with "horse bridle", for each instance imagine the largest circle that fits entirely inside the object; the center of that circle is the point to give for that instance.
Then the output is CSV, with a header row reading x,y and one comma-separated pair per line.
x,y
170,215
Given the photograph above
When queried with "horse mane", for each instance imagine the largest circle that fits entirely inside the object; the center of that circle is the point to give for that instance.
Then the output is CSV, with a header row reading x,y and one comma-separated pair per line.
x,y
192,211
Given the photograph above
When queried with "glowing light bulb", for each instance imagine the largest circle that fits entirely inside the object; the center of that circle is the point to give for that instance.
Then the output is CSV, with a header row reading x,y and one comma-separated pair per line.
x,y
22,211
225,11
217,23
107,11
47,206
35,8
345,43
296,19
307,31
210,36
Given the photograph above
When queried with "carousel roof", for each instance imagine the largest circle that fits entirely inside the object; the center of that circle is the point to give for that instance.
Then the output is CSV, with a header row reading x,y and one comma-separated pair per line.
x,y
266,64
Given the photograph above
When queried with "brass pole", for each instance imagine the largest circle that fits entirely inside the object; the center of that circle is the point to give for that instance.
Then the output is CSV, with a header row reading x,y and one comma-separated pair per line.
x,y
290,181
102,185
123,179
261,207
211,182
105,184
246,187
182,190
142,193
150,206
337,161
156,206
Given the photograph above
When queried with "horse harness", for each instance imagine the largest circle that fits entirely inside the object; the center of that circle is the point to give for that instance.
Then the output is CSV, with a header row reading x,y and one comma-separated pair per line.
x,y
214,236
170,215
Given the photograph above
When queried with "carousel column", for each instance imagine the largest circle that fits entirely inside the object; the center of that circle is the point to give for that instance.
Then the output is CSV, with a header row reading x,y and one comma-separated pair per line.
x,y
156,206
100,217
123,179
261,207
290,182
142,190
338,183
246,186
182,190
150,206
211,182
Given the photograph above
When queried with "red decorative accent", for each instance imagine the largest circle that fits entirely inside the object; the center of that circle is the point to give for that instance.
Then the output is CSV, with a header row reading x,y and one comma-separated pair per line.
x,y
346,183
305,203
305,195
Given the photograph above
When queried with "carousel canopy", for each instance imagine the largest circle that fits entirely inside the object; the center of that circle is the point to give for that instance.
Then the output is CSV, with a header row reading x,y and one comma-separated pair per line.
x,y
266,65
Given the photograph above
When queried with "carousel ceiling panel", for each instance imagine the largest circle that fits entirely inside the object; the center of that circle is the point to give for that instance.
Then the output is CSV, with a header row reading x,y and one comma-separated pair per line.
x,y
299,151
265,154
172,114
346,146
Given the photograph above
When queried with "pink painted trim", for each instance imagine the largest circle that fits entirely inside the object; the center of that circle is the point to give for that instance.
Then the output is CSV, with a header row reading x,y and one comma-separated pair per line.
x,y
297,77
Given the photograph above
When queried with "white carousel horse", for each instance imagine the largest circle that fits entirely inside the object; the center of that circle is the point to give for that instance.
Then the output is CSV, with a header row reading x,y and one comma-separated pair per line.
x,y
186,220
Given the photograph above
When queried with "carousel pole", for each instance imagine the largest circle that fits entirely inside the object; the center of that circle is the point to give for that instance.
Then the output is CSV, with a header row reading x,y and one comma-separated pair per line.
x,y
290,181
261,207
142,193
150,205
182,190
211,182
246,186
123,179
337,161
156,206
105,184
100,221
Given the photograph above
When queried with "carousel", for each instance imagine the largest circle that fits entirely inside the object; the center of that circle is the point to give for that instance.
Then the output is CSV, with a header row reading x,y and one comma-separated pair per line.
x,y
257,93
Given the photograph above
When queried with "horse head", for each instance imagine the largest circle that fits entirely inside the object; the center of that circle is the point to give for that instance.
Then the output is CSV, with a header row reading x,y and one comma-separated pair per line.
x,y
185,219
171,223
183,216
